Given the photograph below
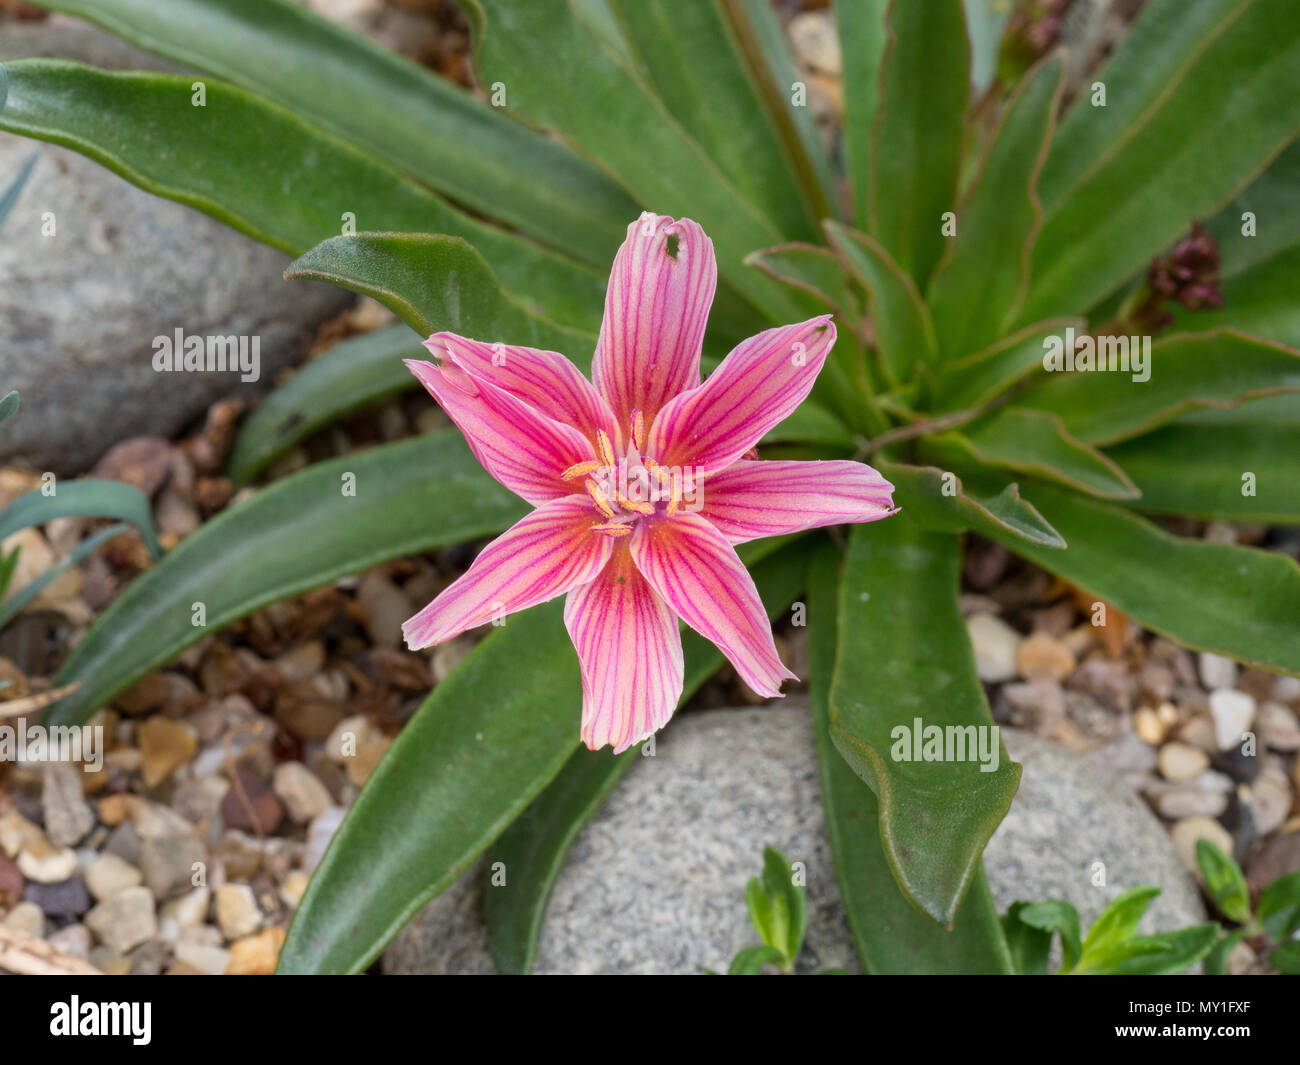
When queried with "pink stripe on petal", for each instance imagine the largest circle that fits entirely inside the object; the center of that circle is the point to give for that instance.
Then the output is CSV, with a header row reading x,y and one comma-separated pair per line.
x,y
688,562
545,380
523,449
756,387
542,556
656,308
631,656
749,500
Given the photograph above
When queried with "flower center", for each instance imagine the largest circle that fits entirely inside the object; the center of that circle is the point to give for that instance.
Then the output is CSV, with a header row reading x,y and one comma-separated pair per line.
x,y
629,488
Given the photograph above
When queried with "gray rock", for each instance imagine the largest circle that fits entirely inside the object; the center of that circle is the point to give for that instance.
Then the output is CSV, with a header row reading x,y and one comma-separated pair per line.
x,y
79,310
68,816
656,882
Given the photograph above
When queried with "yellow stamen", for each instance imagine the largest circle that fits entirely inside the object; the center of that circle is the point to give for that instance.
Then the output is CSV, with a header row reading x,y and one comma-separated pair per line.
x,y
580,469
598,498
613,529
634,505
605,448
638,428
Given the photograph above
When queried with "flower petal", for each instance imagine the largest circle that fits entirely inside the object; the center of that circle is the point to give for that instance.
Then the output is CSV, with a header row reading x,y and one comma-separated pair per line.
x,y
749,500
656,307
542,556
631,655
757,386
545,380
688,562
522,448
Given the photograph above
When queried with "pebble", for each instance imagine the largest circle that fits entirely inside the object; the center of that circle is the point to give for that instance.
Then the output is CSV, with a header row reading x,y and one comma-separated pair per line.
x,y
72,940
1186,832
67,815
11,883
305,714
145,695
109,962
165,745
256,955
67,898
1233,712
347,738
1268,798
124,842
293,888
386,609
1148,726
251,806
237,911
46,864
1278,727
188,910
27,917
369,755
815,42
302,662
447,656
1043,657
203,957
1179,801
1286,689
995,644
169,863
142,461
1157,681
1180,762
1216,671
125,920
301,791
1199,732
108,874
150,957
1277,857
319,834
1106,680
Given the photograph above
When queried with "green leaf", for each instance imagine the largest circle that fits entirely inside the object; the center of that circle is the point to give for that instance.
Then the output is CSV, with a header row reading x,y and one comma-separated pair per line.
x,y
905,664
351,374
787,898
1056,915
396,109
265,172
1167,954
10,195
83,499
8,563
924,493
8,405
1260,438
486,741
694,64
1187,370
1224,880
812,424
533,847
1118,922
1274,199
1235,601
12,606
917,137
752,959
976,379
1029,946
891,934
1036,443
984,273
1279,907
811,268
1259,300
432,284
1216,960
1143,182
409,497
560,76
1286,958
863,35
904,332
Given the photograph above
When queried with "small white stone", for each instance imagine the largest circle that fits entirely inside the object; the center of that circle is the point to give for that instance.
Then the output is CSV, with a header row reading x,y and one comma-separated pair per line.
x,y
1216,671
202,956
190,909
995,644
74,940
1180,761
1233,712
302,792
237,911
48,865
26,917
125,920
108,874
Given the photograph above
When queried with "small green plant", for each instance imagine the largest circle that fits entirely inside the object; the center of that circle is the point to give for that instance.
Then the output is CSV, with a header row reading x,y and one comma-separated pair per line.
x,y
1270,925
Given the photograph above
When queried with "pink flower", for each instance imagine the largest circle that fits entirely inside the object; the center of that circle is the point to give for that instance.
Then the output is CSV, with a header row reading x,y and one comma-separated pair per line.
x,y
641,483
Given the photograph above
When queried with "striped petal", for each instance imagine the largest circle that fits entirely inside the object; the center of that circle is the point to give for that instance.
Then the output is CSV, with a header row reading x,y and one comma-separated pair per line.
x,y
545,380
523,449
541,557
749,500
755,388
656,307
691,565
631,655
